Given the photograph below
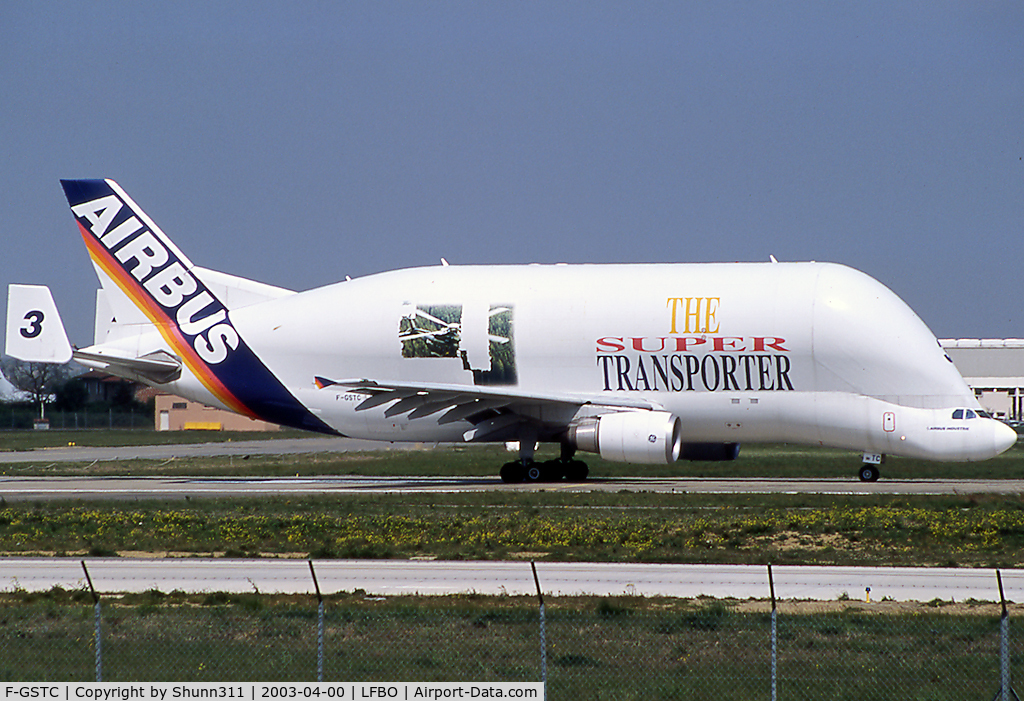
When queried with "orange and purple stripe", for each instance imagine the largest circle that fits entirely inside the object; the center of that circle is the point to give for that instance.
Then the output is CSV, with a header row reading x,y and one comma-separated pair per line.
x,y
167,327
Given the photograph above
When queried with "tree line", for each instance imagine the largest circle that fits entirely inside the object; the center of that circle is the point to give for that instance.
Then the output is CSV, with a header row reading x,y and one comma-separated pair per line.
x,y
47,386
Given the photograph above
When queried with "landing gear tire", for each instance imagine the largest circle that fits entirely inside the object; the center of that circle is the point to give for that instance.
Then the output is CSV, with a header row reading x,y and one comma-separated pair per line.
x,y
512,472
516,472
575,471
868,473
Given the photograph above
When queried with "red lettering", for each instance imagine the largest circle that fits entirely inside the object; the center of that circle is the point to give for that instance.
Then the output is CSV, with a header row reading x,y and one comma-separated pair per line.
x,y
638,345
683,344
760,343
614,344
727,344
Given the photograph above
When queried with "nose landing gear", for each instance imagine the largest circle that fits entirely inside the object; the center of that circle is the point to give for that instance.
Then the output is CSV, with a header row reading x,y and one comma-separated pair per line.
x,y
869,468
868,473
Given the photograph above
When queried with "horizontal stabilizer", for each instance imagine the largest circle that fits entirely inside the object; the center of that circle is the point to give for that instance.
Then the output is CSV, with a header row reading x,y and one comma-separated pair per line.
x,y
160,367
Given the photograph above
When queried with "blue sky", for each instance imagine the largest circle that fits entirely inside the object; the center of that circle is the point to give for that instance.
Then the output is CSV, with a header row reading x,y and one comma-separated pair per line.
x,y
296,143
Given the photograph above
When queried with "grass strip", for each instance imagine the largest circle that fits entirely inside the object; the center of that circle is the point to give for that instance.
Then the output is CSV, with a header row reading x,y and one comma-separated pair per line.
x,y
751,529
622,647
115,437
755,461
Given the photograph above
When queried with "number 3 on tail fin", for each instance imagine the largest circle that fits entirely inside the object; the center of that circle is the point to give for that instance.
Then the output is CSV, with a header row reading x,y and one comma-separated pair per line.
x,y
35,332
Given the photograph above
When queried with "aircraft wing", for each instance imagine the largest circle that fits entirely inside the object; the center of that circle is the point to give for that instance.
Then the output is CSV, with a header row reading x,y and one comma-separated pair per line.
x,y
490,409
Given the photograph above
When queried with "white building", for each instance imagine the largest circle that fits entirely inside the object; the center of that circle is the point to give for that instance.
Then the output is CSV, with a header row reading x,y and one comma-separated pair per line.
x,y
994,368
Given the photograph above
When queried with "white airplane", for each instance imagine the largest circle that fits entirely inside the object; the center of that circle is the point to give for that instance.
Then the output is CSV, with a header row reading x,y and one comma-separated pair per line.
x,y
639,363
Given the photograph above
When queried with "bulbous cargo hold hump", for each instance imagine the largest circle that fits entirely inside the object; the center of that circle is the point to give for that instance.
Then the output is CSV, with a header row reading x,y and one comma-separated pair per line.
x,y
868,341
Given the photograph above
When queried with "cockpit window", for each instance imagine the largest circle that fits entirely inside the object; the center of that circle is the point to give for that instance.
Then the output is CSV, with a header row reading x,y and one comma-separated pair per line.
x,y
970,414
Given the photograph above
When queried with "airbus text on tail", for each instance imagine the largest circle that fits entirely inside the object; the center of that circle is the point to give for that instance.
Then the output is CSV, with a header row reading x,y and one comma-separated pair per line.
x,y
130,251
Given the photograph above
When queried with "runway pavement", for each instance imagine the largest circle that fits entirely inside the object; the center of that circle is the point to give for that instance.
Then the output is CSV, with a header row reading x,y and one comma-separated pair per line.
x,y
398,577
54,488
275,446
15,489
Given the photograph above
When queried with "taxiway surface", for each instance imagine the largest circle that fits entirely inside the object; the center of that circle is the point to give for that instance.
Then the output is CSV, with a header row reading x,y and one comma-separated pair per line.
x,y
15,489
273,446
402,577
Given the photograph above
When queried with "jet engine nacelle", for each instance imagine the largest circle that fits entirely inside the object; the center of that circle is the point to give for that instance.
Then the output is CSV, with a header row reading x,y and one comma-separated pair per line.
x,y
648,437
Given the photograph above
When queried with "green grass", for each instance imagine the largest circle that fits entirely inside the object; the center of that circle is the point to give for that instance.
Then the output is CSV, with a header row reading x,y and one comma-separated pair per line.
x,y
980,530
626,527
103,438
755,461
622,648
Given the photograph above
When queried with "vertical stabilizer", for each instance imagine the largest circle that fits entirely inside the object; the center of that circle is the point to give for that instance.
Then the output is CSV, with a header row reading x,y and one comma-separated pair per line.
x,y
149,283
35,332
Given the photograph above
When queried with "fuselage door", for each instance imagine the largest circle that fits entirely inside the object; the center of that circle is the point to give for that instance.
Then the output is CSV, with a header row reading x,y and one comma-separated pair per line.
x,y
889,421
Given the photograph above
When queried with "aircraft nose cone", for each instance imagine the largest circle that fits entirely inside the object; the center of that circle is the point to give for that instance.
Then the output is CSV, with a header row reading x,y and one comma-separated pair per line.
x,y
1004,437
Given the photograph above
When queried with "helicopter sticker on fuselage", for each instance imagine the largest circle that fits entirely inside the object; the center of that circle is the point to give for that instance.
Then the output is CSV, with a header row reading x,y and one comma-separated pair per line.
x,y
480,335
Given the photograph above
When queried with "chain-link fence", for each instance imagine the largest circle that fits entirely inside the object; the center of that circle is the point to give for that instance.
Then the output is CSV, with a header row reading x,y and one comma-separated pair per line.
x,y
585,648
18,418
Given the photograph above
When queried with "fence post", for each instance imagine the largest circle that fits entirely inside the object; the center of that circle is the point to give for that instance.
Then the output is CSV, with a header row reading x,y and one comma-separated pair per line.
x,y
319,627
543,632
1005,688
96,634
774,635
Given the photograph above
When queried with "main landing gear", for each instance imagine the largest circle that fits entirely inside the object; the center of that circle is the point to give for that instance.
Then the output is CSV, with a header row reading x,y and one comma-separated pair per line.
x,y
546,471
869,468
526,469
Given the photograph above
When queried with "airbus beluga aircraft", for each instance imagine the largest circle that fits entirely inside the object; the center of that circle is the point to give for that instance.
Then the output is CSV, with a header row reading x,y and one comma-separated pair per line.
x,y
639,363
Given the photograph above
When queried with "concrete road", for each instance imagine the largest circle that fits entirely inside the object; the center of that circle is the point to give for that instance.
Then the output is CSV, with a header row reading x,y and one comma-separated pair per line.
x,y
14,489
396,577
283,446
